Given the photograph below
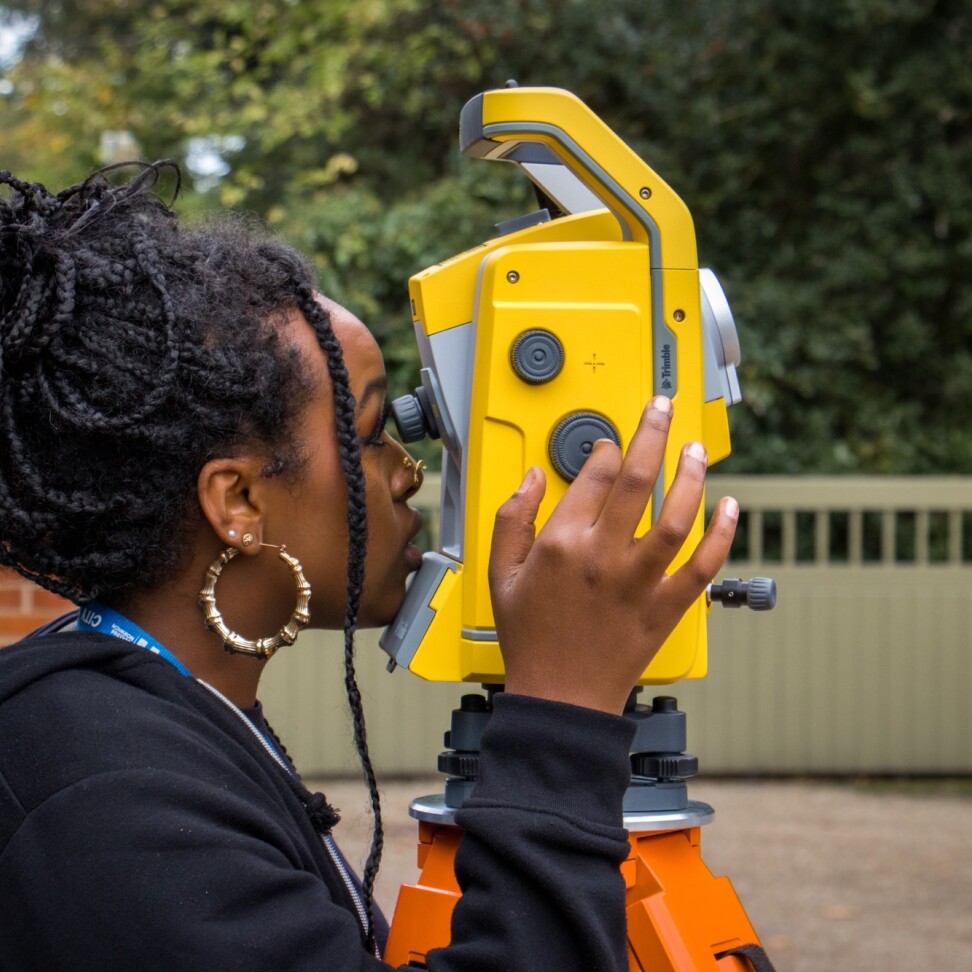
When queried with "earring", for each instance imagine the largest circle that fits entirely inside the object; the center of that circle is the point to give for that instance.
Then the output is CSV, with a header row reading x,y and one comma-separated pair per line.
x,y
262,647
417,468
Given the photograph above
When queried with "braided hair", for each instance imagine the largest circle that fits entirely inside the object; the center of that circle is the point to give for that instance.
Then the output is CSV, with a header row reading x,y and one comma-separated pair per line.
x,y
134,350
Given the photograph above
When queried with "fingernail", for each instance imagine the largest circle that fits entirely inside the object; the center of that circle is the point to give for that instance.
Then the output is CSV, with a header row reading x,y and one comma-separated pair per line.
x,y
697,451
662,404
731,508
531,475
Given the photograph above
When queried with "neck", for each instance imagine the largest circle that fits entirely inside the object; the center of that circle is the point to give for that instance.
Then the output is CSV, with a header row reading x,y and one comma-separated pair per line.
x,y
173,617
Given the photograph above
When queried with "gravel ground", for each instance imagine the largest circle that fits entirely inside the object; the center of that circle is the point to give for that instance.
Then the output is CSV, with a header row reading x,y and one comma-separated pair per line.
x,y
833,876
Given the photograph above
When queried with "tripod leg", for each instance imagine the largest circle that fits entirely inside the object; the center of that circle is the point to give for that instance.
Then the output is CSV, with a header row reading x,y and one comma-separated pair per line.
x,y
680,917
424,909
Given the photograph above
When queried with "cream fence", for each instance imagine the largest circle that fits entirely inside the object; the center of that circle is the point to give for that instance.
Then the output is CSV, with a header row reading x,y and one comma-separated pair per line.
x,y
865,665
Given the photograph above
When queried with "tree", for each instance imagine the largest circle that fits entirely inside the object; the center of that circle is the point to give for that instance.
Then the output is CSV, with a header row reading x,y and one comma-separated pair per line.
x,y
822,149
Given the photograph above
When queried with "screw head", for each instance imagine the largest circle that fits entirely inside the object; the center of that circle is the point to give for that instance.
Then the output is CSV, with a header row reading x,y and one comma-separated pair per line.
x,y
679,316
645,193
512,276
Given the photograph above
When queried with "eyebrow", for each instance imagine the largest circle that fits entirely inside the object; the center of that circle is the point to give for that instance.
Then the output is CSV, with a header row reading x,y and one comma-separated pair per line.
x,y
377,386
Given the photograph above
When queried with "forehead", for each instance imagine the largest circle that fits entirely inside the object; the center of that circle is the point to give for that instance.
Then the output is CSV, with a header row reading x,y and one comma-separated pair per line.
x,y
362,356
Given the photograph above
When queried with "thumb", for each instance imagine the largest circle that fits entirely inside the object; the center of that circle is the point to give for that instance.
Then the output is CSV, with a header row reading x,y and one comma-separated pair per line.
x,y
514,529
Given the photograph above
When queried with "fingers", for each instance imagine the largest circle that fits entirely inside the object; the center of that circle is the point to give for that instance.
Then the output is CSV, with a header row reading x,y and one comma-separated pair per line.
x,y
613,492
692,578
514,529
678,513
625,504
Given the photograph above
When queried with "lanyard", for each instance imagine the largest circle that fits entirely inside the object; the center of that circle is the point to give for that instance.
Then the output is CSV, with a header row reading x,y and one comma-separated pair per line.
x,y
98,617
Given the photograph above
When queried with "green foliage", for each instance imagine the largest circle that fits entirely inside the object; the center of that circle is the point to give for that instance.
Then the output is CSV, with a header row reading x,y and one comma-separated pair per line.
x,y
823,149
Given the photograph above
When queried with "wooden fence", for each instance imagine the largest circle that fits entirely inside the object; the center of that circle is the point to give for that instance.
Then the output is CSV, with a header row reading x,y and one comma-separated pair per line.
x,y
864,667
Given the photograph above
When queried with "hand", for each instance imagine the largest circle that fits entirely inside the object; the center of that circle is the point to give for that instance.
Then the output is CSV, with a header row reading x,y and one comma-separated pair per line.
x,y
583,607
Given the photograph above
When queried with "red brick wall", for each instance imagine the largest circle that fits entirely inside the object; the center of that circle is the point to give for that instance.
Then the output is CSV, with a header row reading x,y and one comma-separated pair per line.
x,y
25,606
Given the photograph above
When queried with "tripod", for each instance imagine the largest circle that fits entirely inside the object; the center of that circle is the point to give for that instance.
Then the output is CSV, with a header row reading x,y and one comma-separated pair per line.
x,y
680,917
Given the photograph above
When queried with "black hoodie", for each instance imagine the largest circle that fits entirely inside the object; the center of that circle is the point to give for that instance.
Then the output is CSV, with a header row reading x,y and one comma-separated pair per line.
x,y
143,826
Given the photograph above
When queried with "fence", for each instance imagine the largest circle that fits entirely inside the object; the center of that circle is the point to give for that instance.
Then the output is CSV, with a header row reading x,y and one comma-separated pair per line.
x,y
864,667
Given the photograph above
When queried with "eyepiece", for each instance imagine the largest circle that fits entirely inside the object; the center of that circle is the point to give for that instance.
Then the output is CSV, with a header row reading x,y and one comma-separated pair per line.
x,y
414,416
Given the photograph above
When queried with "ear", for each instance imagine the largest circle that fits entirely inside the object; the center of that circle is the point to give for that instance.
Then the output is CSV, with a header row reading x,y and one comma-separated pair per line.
x,y
231,497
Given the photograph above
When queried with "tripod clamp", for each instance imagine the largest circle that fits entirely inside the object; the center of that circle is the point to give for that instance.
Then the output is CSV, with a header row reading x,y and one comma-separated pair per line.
x,y
656,799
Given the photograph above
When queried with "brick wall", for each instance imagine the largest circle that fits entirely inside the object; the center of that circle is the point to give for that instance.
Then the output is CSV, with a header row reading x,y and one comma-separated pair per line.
x,y
25,606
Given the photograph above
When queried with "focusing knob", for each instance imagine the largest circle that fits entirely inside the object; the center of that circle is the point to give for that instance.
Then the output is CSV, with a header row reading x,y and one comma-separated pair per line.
x,y
758,593
537,356
573,439
414,416
762,594
407,414
665,766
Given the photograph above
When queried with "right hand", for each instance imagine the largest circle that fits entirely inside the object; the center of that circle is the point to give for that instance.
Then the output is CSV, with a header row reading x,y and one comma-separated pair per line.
x,y
583,607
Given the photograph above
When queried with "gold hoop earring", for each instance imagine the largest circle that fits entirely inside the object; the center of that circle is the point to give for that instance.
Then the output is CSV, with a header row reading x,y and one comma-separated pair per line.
x,y
417,468
262,647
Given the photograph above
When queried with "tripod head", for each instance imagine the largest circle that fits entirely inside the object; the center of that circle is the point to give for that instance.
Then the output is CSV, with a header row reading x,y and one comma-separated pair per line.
x,y
543,340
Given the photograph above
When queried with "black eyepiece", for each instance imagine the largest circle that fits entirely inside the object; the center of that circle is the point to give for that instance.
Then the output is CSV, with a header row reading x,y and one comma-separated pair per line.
x,y
414,417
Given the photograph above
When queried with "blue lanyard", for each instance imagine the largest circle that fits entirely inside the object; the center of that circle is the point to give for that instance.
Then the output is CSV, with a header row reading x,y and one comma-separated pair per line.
x,y
98,617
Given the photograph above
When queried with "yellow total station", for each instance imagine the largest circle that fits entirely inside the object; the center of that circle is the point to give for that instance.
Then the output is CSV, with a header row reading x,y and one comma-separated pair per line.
x,y
544,339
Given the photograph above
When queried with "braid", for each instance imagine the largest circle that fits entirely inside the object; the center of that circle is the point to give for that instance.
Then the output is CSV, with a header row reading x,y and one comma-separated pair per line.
x,y
132,351
344,406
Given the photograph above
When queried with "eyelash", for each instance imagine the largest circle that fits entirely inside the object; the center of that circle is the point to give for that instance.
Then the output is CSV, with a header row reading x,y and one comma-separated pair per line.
x,y
376,437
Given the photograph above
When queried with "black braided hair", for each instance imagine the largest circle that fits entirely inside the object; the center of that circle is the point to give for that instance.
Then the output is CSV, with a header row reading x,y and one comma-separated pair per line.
x,y
132,351
357,541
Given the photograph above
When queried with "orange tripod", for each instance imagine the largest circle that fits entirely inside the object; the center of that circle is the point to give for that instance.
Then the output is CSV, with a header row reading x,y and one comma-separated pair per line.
x,y
680,917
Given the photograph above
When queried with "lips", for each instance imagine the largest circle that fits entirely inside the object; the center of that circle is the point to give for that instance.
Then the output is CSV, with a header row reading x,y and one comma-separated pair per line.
x,y
413,556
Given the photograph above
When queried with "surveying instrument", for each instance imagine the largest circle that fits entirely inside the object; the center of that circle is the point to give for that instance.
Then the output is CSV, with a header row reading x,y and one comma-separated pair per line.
x,y
533,346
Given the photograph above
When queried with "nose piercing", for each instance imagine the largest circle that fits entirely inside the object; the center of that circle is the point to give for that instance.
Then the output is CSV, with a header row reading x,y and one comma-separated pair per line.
x,y
417,469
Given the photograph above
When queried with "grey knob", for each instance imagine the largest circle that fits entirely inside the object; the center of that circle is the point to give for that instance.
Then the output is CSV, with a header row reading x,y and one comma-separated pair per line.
x,y
537,356
409,421
762,594
573,439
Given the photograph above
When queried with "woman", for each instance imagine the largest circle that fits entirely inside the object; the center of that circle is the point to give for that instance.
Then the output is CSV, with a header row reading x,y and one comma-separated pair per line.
x,y
193,440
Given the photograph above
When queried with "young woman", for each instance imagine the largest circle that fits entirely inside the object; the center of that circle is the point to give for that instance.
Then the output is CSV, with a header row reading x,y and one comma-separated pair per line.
x,y
192,442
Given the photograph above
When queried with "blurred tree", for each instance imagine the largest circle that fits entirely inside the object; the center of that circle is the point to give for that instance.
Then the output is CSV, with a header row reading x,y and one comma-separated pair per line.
x,y
821,147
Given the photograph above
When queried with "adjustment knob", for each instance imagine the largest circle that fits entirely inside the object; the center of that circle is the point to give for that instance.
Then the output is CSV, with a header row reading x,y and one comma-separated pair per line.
x,y
407,414
758,593
459,764
665,766
537,356
414,416
762,594
573,439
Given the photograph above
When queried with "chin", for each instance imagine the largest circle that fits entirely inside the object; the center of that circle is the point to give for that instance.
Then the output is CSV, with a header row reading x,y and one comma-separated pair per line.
x,y
381,614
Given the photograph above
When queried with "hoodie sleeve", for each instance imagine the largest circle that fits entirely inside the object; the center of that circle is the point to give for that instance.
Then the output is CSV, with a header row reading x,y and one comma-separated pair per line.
x,y
539,860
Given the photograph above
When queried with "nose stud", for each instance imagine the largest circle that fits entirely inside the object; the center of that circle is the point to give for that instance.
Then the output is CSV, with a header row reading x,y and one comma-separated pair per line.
x,y
417,469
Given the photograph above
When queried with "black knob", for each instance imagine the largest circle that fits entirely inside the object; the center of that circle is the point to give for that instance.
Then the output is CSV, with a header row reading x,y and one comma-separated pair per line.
x,y
459,764
665,766
414,416
537,356
573,439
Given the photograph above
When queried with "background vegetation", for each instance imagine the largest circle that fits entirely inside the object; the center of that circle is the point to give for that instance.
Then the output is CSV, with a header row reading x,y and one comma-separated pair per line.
x,y
823,147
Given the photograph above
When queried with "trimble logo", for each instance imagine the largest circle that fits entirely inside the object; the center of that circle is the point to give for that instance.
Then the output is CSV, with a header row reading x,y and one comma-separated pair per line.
x,y
666,367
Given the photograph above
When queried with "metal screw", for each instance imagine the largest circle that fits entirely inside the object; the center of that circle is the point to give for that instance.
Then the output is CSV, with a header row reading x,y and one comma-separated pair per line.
x,y
679,316
512,276
645,193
